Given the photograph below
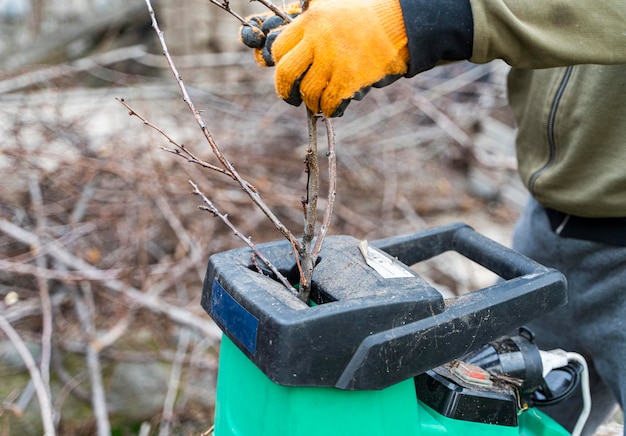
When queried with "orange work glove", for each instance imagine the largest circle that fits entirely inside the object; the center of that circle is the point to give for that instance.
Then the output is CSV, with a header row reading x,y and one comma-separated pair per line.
x,y
333,52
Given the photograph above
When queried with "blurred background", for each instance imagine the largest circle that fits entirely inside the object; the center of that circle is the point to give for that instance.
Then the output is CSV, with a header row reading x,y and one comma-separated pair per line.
x,y
102,246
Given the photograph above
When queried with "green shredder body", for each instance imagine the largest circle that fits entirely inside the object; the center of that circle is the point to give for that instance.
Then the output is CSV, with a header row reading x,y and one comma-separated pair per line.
x,y
250,404
359,361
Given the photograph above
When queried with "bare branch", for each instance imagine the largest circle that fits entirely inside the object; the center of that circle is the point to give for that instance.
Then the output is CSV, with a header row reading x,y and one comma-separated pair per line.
x,y
54,274
84,308
210,207
180,149
254,196
465,142
225,4
45,402
332,189
310,208
184,339
304,4
44,290
174,383
272,7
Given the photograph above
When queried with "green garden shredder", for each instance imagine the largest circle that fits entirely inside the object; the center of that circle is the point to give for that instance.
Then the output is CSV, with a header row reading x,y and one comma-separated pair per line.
x,y
379,351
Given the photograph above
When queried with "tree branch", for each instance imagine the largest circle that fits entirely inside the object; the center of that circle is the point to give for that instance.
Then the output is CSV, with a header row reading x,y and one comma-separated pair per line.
x,y
180,149
332,189
310,208
84,308
272,7
254,196
45,402
225,5
44,290
210,207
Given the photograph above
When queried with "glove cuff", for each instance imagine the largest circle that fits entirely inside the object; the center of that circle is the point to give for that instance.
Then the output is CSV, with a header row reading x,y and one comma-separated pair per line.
x,y
437,30
391,20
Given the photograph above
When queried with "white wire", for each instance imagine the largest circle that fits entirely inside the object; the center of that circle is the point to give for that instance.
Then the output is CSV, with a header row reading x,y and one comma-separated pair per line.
x,y
582,419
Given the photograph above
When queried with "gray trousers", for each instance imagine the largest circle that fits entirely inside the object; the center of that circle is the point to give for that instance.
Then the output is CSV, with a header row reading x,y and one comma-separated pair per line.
x,y
592,323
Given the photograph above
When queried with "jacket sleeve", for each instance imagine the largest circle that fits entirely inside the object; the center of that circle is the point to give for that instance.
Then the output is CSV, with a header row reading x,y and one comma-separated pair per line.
x,y
437,30
549,33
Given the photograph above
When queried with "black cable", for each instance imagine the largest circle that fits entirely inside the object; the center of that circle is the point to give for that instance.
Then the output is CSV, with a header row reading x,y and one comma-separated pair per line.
x,y
542,398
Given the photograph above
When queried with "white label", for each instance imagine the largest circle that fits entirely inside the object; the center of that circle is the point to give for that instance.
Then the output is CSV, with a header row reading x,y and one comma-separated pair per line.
x,y
383,265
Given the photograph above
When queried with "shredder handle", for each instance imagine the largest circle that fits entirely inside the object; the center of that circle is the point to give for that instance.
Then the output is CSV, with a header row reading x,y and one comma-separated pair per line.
x,y
417,247
527,291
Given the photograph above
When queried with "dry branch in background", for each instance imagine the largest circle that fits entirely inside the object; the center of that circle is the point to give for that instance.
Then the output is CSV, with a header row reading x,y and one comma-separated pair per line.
x,y
43,392
73,251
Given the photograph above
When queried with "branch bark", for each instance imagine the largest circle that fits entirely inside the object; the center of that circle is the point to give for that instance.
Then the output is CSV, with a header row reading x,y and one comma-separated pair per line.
x,y
310,209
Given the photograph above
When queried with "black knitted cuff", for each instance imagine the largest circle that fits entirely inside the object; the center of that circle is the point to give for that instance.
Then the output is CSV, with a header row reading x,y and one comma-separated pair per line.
x,y
437,30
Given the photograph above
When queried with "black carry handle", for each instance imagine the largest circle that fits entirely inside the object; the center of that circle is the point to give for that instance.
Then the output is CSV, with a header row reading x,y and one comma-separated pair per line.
x,y
527,291
417,247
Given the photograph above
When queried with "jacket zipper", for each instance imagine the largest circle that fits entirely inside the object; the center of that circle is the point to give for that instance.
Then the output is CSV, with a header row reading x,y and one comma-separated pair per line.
x,y
551,136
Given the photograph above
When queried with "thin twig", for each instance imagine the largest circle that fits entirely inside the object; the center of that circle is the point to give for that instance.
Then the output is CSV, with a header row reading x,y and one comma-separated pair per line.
x,y
465,142
180,149
44,290
254,196
45,402
272,7
332,189
184,338
24,399
174,383
225,4
71,384
304,4
210,207
111,336
144,430
54,274
84,308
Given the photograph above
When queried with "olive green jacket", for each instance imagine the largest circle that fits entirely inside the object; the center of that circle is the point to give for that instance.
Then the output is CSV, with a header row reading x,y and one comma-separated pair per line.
x,y
567,89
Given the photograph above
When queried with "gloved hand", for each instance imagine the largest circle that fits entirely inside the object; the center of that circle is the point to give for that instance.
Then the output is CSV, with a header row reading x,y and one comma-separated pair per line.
x,y
263,30
332,53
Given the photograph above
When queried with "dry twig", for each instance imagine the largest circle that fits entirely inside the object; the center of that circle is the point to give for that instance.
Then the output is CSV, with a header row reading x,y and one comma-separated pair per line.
x,y
180,150
310,209
45,402
254,196
84,307
184,339
44,290
210,207
332,189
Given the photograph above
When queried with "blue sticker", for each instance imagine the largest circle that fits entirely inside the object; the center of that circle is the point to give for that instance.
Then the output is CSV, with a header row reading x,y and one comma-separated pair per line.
x,y
240,324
